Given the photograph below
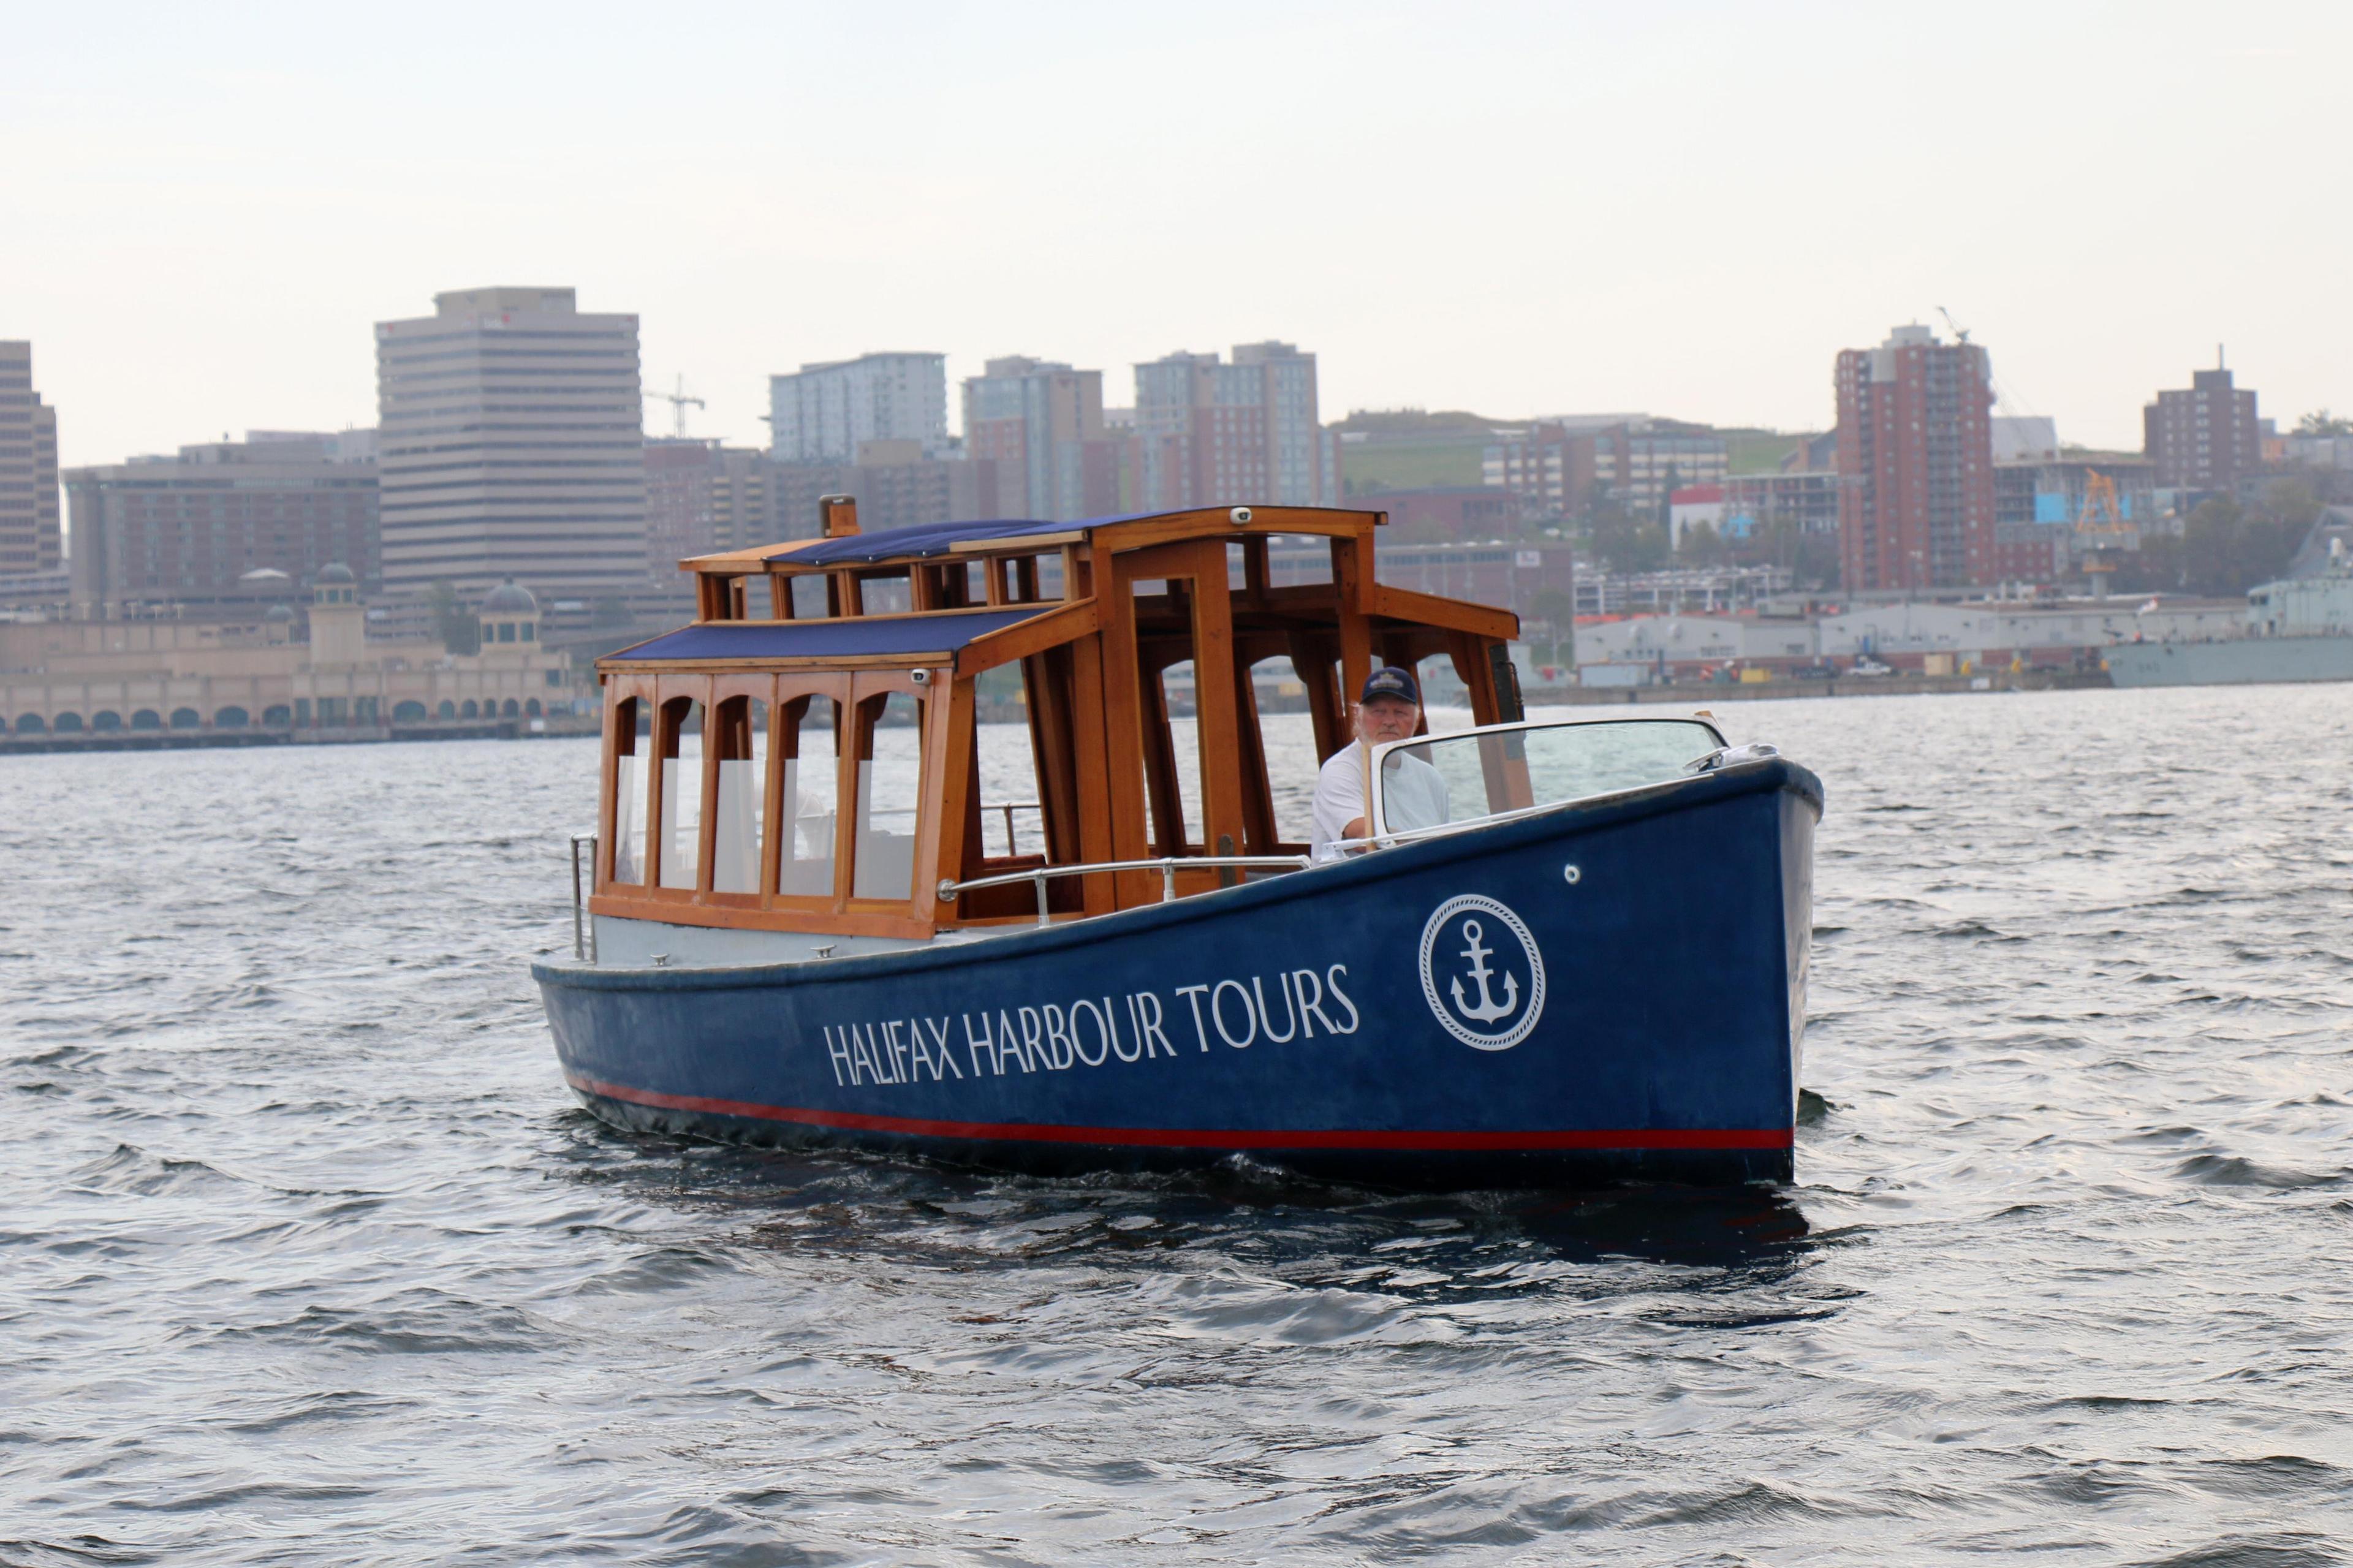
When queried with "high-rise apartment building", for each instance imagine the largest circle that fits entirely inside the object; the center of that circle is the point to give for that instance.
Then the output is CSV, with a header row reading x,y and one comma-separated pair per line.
x,y
2203,436
225,524
702,497
1042,424
822,413
1207,433
1916,458
514,446
30,538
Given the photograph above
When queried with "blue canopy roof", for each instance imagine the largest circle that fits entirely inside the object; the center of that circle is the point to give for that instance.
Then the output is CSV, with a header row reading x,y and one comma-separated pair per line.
x,y
850,636
932,539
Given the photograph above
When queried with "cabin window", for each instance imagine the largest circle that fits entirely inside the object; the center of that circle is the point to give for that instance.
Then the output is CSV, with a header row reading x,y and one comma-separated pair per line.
x,y
740,747
808,596
1179,723
808,735
889,595
631,729
890,780
1012,803
682,790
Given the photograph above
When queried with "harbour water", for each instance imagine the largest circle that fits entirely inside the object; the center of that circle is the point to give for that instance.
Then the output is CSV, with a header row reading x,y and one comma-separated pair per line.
x,y
306,1257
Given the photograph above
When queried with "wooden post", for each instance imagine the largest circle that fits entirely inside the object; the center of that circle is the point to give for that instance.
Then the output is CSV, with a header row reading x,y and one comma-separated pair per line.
x,y
1350,574
1168,836
1122,710
1046,680
1093,772
959,853
1469,654
1250,754
706,831
1254,569
1311,660
772,793
1214,703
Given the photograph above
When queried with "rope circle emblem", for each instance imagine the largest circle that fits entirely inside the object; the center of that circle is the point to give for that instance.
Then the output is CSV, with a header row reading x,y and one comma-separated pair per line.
x,y
1481,1002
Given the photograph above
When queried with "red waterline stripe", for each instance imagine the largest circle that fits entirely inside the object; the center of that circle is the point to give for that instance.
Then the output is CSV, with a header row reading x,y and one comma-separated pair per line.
x,y
1192,1138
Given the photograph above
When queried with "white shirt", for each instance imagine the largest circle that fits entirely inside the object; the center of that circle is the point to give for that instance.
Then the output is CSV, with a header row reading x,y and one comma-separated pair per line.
x,y
1413,794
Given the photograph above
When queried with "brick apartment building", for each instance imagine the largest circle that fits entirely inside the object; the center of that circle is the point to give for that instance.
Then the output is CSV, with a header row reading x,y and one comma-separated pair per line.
x,y
1915,449
1449,513
1042,424
1207,433
1562,468
225,524
2203,436
702,496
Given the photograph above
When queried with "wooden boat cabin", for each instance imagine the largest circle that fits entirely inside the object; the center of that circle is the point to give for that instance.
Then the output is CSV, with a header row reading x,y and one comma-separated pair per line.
x,y
806,756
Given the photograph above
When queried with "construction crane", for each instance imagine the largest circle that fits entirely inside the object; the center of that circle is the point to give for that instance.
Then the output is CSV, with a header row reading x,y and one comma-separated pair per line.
x,y
2009,407
677,400
2102,534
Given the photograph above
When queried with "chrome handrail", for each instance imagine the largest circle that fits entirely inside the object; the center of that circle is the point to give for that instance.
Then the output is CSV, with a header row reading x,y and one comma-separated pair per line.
x,y
584,935
1167,866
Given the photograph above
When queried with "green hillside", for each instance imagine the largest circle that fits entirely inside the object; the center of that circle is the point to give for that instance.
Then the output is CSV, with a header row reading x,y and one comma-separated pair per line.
x,y
1366,468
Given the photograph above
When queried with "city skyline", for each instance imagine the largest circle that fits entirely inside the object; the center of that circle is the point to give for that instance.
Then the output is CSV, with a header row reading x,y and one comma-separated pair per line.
x,y
1649,259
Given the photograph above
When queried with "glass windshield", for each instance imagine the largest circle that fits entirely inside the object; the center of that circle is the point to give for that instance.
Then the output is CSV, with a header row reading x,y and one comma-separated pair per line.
x,y
1457,778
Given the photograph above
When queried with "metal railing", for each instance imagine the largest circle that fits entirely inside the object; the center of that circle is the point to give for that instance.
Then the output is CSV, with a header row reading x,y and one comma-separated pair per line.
x,y
1009,809
1167,866
584,935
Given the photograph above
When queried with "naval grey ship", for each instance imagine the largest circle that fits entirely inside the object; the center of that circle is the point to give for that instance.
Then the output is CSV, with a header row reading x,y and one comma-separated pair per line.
x,y
2297,628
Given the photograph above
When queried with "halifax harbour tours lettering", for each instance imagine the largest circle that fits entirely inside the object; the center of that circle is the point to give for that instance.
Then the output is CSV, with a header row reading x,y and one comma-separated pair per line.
x,y
1091,1031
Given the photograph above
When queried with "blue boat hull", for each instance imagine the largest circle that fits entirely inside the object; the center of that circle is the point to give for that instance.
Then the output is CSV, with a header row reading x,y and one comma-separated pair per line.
x,y
1606,991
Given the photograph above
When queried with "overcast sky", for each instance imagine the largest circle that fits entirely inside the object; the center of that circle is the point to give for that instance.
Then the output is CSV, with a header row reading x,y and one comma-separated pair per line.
x,y
1682,208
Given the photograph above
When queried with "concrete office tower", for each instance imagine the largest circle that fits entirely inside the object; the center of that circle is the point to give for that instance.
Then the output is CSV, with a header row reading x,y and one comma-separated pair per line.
x,y
823,413
1208,434
2201,436
226,525
1042,424
512,446
30,538
1916,458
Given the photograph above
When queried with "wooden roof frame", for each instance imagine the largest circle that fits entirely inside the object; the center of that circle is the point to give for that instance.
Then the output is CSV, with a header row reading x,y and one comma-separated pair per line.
x,y
1091,661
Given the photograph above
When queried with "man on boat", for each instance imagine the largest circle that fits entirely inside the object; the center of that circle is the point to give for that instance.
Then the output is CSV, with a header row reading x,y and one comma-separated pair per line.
x,y
1413,794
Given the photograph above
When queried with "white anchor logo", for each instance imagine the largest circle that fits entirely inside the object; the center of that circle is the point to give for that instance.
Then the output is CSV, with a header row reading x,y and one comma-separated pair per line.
x,y
1482,1024
1489,1009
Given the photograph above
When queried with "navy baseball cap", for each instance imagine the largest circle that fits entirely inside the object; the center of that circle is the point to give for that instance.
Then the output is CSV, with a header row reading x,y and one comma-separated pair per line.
x,y
1390,681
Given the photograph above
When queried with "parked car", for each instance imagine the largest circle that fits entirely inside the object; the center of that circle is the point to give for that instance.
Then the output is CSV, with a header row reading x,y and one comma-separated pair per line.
x,y
1814,672
1867,665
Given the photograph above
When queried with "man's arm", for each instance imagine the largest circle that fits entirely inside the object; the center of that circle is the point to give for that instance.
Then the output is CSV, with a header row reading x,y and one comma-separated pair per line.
x,y
1339,803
